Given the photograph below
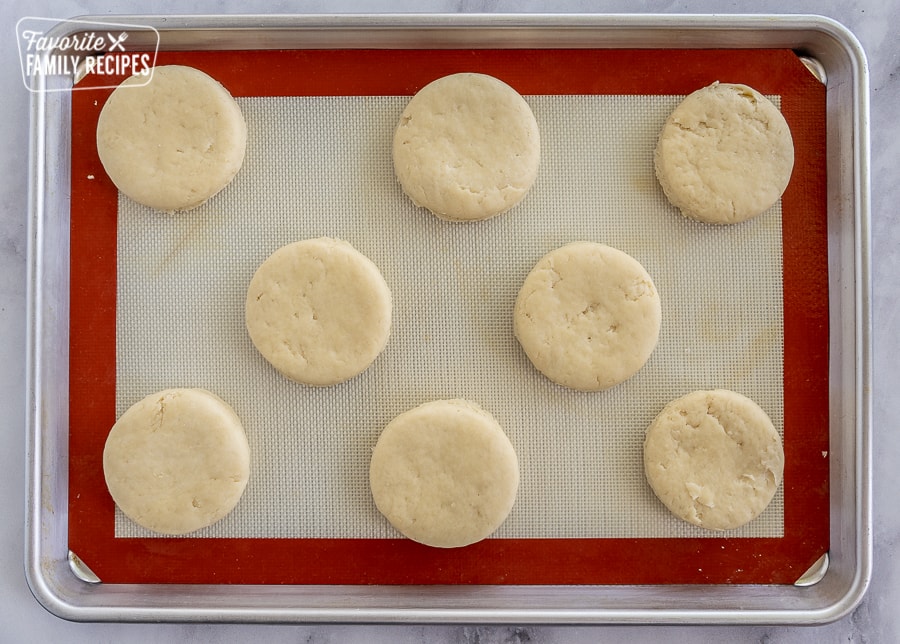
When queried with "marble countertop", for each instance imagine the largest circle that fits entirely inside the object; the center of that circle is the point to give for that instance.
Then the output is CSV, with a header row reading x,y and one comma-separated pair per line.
x,y
876,619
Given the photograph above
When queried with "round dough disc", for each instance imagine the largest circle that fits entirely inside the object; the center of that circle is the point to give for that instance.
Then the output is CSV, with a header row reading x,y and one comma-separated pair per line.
x,y
319,311
467,147
725,154
714,458
444,474
588,316
177,461
174,142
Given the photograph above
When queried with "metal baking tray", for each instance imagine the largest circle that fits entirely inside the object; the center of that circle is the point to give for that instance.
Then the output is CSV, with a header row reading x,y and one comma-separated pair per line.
x,y
830,589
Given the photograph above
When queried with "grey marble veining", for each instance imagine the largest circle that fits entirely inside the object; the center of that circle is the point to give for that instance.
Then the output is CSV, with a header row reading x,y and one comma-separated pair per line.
x,y
877,619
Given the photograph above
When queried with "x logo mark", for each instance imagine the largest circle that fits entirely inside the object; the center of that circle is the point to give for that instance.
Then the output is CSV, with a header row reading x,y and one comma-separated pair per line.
x,y
116,43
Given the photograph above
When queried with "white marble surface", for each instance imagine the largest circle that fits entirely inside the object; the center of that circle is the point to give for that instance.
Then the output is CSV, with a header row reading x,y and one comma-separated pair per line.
x,y
877,619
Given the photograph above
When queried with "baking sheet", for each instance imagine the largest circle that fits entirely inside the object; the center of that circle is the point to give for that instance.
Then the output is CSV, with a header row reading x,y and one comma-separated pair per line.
x,y
60,442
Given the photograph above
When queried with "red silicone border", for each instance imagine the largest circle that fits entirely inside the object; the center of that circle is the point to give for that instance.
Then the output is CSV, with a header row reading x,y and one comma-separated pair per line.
x,y
493,561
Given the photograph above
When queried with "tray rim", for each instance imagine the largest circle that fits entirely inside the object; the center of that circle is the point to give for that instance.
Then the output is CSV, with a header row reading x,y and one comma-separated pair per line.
x,y
46,559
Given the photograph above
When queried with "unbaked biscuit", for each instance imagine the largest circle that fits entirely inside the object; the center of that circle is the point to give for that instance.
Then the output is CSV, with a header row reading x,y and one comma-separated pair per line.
x,y
466,147
174,142
444,474
714,458
725,154
319,311
177,461
588,316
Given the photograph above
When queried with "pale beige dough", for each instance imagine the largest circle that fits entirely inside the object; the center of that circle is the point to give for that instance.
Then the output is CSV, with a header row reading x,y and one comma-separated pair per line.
x,y
177,461
444,474
588,316
467,147
319,311
174,142
725,154
714,458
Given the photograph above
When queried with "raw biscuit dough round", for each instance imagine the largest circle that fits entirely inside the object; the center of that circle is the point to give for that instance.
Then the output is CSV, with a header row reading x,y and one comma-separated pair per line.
x,y
467,147
714,458
588,316
177,461
174,142
319,311
444,473
725,154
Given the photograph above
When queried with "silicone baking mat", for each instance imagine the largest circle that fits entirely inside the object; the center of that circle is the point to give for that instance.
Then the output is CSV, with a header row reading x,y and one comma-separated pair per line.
x,y
157,301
